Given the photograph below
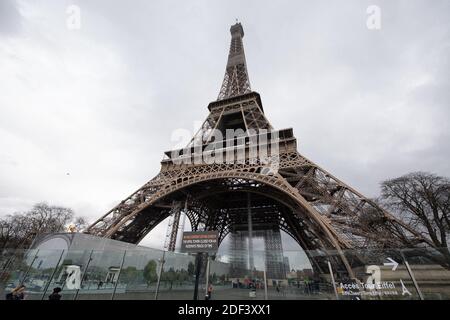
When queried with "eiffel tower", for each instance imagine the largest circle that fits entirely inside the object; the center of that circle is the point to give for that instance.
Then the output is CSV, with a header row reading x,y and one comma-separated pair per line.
x,y
254,195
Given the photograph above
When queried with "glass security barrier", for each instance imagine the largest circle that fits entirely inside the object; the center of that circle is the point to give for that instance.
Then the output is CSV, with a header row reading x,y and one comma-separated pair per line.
x,y
430,269
307,277
138,277
375,275
42,268
15,266
230,277
68,274
177,276
148,274
99,279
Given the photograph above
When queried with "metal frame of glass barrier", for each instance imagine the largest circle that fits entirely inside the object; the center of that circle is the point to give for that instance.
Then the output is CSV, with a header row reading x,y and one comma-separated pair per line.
x,y
52,275
118,276
138,275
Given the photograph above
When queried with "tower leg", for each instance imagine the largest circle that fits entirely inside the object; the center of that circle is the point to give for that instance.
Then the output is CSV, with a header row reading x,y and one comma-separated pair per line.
x,y
238,253
274,254
251,262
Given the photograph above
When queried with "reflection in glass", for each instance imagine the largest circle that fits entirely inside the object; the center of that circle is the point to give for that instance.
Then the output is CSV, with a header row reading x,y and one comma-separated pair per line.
x,y
143,273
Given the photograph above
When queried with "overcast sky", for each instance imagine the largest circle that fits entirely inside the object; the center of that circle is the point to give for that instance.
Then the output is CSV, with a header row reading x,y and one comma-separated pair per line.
x,y
86,114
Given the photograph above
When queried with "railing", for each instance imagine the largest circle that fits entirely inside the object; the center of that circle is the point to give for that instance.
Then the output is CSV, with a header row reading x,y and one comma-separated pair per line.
x,y
154,274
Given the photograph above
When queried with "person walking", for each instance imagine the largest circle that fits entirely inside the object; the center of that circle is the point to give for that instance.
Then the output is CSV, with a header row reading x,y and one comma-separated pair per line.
x,y
17,293
210,289
55,295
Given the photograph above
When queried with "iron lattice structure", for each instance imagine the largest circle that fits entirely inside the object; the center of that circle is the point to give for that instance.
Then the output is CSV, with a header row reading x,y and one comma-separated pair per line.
x,y
318,210
236,80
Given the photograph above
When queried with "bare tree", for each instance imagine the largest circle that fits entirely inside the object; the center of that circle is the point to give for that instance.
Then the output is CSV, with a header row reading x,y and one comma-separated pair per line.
x,y
19,230
422,200
46,219
13,231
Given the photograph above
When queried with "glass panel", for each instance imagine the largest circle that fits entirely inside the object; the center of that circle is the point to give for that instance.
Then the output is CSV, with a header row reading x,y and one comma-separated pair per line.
x,y
378,275
307,277
40,273
219,278
133,274
5,257
139,275
177,278
14,268
100,278
231,278
68,274
431,270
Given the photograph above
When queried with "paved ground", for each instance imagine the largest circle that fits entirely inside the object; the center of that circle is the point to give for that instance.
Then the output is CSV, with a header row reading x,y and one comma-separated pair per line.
x,y
219,293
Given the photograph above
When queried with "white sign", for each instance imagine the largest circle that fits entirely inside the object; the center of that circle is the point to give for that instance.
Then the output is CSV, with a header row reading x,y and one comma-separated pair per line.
x,y
392,263
73,280
374,274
